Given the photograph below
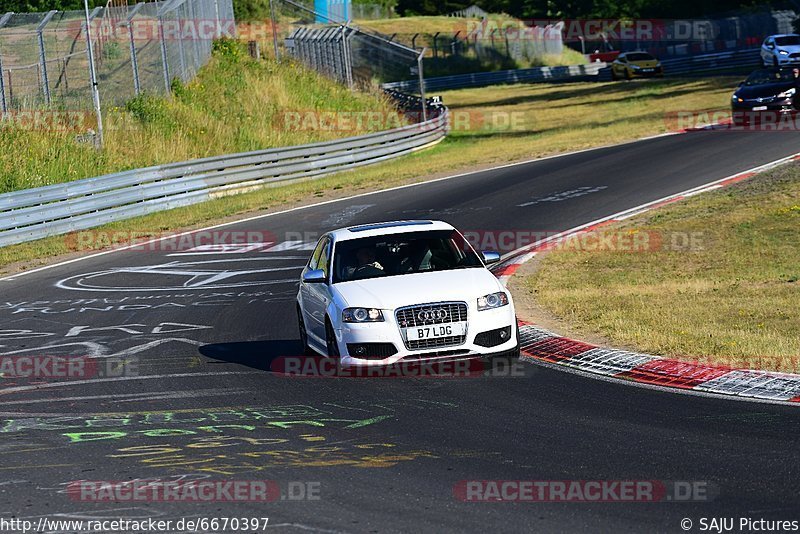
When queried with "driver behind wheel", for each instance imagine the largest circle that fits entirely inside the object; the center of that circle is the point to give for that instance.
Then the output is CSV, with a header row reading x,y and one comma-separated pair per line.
x,y
367,265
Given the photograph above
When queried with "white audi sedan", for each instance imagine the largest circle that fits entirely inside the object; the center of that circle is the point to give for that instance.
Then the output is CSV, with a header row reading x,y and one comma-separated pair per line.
x,y
397,291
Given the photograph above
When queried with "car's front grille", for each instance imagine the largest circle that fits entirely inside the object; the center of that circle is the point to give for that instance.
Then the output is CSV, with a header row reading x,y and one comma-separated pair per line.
x,y
795,55
428,314
762,100
431,314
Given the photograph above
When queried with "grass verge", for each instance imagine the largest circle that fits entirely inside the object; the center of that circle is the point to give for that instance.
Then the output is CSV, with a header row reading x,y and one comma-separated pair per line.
x,y
722,287
236,104
491,126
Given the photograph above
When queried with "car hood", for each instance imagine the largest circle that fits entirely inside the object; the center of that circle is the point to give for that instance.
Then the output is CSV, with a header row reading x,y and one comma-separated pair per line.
x,y
645,63
761,91
789,48
392,292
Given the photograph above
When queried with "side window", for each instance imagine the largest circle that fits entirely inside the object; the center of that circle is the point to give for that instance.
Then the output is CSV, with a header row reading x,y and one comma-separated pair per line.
x,y
312,263
325,257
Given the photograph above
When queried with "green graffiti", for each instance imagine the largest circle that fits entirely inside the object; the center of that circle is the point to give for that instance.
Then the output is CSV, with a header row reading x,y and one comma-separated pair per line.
x,y
370,421
166,432
289,424
218,428
79,437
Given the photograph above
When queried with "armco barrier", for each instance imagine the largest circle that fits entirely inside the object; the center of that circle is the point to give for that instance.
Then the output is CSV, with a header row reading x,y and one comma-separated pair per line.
x,y
57,209
481,79
733,62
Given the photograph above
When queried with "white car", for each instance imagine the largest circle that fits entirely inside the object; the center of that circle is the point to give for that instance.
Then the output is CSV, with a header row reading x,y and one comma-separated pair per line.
x,y
397,291
781,50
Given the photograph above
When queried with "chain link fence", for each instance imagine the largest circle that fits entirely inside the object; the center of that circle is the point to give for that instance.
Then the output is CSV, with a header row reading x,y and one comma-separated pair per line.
x,y
352,55
685,37
44,60
521,43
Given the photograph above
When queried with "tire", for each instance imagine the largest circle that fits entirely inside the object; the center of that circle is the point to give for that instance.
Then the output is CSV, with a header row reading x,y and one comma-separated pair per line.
x,y
627,74
330,340
515,352
614,76
775,62
301,326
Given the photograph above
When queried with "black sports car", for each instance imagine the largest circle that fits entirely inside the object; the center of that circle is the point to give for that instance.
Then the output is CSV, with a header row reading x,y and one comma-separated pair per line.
x,y
766,92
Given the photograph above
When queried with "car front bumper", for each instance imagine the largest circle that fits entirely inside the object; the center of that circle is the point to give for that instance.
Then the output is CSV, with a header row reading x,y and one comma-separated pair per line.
x,y
772,103
641,73
774,112
786,60
389,332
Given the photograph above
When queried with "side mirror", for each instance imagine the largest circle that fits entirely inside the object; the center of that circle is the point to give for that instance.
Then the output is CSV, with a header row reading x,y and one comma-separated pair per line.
x,y
314,276
490,256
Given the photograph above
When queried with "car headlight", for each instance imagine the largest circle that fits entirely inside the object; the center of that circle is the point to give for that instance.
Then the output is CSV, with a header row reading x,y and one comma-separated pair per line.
x,y
736,98
783,52
492,300
787,93
362,315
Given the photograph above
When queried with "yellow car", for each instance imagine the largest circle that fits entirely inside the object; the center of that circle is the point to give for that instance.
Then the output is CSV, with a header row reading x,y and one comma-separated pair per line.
x,y
634,65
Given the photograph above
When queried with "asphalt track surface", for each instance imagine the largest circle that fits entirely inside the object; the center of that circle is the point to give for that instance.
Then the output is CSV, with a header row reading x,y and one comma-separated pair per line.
x,y
198,400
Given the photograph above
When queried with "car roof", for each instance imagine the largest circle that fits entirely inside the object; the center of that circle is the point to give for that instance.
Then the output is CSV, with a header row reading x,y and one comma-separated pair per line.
x,y
387,228
782,35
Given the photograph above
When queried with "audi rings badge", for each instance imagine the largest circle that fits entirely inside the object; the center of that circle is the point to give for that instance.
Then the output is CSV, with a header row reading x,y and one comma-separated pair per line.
x,y
436,314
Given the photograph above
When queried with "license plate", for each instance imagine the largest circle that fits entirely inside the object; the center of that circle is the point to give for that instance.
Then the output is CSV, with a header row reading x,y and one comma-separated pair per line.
x,y
434,331
759,108
647,70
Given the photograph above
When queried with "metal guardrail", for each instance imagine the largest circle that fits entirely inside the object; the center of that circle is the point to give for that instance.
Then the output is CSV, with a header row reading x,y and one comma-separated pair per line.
x,y
61,208
718,63
481,79
733,62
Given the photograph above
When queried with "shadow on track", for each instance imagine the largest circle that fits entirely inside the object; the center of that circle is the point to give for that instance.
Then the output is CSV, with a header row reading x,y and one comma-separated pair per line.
x,y
255,354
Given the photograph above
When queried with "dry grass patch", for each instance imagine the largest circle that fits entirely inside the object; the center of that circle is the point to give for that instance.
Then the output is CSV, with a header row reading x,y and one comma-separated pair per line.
x,y
731,300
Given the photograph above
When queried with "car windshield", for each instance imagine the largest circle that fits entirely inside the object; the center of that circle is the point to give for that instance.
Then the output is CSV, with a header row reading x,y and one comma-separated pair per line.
x,y
405,253
639,56
788,40
766,76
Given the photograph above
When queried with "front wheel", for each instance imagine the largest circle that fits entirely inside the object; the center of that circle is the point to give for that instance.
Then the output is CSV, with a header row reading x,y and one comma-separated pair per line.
x,y
301,325
330,340
515,352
